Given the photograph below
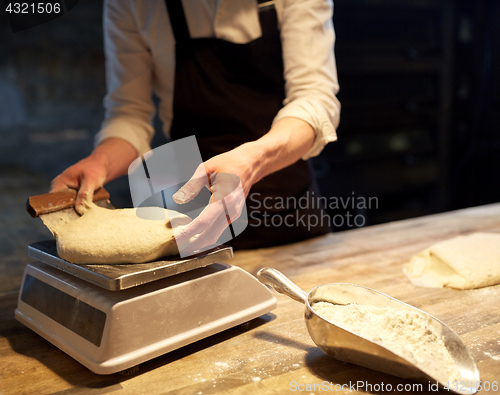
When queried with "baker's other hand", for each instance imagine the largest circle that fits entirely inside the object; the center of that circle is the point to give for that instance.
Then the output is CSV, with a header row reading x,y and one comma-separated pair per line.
x,y
229,177
85,176
108,160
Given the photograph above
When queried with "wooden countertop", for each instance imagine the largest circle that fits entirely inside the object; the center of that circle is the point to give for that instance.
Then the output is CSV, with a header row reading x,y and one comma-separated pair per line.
x,y
269,354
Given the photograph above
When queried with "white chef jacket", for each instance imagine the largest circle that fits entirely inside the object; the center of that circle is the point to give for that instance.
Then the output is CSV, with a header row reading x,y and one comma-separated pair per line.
x,y
140,59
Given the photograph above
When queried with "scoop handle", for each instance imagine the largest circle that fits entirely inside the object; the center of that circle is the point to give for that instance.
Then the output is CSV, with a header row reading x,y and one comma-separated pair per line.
x,y
281,284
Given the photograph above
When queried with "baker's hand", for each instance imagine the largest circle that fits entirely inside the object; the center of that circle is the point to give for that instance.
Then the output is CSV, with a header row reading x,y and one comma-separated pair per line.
x,y
229,177
109,160
85,176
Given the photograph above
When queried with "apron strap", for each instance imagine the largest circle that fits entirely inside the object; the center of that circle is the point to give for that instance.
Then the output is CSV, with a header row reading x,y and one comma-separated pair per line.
x,y
178,21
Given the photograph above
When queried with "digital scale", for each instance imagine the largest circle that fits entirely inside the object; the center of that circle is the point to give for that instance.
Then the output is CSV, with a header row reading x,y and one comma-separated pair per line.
x,y
113,317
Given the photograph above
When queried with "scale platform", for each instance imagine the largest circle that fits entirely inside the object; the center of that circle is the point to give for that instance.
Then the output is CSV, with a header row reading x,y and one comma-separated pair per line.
x,y
123,276
113,317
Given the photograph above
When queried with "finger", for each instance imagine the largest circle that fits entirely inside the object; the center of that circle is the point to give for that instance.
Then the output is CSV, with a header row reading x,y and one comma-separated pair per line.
x,y
207,238
200,224
191,188
59,184
231,207
86,192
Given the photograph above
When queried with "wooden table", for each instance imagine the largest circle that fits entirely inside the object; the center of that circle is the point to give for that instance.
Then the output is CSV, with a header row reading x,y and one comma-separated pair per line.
x,y
274,353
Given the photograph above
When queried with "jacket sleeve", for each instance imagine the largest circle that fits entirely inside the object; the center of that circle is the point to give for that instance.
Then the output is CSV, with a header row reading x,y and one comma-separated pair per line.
x,y
128,102
308,38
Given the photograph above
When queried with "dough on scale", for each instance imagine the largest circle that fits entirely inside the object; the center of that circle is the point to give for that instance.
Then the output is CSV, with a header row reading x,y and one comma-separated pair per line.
x,y
107,236
464,262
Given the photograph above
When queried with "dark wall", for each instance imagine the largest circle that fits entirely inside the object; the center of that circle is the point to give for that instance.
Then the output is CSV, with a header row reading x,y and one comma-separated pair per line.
x,y
51,89
420,123
395,64
475,145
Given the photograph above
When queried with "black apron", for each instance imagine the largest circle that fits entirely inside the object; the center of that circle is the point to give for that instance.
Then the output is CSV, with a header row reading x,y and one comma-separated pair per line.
x,y
228,94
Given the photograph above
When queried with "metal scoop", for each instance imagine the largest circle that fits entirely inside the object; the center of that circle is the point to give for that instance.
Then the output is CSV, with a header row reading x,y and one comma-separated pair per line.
x,y
345,345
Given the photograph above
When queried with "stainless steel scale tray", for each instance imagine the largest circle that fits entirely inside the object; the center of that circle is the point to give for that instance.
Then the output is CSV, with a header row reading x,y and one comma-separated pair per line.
x,y
118,277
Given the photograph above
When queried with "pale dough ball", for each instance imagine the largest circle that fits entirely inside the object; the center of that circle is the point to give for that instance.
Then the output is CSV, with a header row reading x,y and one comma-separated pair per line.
x,y
107,236
464,262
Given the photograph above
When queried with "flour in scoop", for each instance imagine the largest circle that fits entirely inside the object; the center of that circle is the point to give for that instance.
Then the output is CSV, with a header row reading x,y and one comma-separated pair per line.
x,y
406,333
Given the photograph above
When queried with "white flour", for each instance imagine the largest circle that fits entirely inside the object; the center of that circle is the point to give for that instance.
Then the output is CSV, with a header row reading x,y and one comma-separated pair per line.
x,y
408,334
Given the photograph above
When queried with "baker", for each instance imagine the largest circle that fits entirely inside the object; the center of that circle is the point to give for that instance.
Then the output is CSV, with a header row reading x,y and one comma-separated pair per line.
x,y
255,82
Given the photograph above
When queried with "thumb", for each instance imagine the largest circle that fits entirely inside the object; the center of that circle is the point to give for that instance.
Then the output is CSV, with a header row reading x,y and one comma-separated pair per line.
x,y
191,188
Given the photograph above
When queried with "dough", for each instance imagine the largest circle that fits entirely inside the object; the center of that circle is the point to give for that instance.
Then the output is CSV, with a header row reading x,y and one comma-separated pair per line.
x,y
107,236
464,262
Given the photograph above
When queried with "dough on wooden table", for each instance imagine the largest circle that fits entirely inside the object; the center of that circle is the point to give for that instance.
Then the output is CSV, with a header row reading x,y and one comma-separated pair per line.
x,y
107,236
464,262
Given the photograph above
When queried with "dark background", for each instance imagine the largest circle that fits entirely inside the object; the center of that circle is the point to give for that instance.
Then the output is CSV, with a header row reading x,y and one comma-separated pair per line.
x,y
419,91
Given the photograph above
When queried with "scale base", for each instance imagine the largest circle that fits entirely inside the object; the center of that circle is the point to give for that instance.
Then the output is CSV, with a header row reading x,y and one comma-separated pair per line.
x,y
110,331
